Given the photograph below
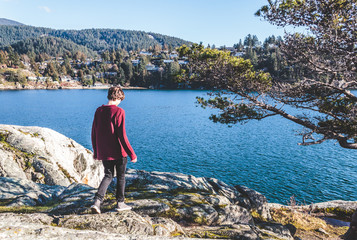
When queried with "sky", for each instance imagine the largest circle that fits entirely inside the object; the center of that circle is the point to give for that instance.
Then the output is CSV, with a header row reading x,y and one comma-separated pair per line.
x,y
218,22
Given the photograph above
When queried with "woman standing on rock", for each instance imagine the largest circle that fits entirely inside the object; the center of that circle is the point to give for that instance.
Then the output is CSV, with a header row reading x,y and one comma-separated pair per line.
x,y
111,145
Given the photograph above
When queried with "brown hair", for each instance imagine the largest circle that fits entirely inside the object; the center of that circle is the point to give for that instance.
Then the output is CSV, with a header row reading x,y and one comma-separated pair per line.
x,y
115,93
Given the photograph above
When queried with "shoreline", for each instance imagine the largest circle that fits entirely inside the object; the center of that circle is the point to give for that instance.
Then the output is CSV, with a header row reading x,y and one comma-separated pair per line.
x,y
66,88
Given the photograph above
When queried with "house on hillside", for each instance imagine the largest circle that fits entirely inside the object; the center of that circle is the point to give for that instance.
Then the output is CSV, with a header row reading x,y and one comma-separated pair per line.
x,y
144,53
44,79
99,75
231,49
110,74
151,67
238,54
135,62
173,55
101,85
32,78
182,62
67,79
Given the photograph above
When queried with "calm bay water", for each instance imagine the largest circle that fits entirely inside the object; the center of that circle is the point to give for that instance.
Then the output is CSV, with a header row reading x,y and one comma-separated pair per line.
x,y
169,133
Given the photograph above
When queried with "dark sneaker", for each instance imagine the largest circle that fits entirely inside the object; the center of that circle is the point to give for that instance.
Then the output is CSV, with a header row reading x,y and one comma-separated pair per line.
x,y
121,206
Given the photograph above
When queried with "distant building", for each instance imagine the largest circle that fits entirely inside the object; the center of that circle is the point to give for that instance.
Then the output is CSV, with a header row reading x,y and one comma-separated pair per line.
x,y
135,62
182,62
65,78
32,78
238,54
145,53
44,79
151,67
110,74
232,49
99,75
99,84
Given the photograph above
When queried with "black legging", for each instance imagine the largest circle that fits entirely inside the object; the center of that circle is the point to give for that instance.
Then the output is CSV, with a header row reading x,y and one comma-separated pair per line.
x,y
109,165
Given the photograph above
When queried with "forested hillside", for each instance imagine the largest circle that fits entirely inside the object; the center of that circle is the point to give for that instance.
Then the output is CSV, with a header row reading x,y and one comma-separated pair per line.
x,y
51,46
95,39
4,21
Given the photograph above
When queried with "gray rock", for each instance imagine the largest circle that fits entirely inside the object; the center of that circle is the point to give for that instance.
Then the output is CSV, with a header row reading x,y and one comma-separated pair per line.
x,y
28,152
223,189
257,201
338,207
36,226
166,227
125,222
238,231
76,199
233,214
25,192
22,201
8,165
51,173
140,179
77,191
26,218
275,230
201,214
217,200
149,207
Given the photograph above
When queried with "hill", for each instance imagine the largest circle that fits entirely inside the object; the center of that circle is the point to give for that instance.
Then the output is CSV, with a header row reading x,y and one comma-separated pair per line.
x,y
4,21
51,46
95,39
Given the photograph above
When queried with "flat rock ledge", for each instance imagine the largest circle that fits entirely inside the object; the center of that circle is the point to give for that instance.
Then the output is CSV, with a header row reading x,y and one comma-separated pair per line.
x,y
48,181
164,205
190,208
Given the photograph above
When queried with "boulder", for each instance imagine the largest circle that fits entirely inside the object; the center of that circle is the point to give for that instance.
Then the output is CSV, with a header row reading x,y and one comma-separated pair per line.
x,y
140,179
233,214
22,192
344,209
46,156
149,207
166,227
275,230
256,201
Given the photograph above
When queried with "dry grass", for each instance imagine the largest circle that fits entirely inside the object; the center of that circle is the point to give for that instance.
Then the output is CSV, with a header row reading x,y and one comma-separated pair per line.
x,y
307,226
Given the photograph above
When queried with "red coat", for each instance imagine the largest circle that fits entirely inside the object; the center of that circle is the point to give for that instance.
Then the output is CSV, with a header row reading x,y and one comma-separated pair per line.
x,y
109,138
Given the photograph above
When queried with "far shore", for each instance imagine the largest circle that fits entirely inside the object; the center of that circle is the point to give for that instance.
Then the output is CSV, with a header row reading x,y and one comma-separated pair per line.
x,y
66,88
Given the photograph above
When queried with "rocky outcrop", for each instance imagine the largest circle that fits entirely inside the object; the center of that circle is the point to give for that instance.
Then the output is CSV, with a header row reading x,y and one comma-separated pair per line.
x,y
38,226
45,156
43,195
158,213
192,208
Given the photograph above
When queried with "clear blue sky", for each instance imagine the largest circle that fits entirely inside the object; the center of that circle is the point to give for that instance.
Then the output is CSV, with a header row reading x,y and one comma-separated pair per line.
x,y
210,21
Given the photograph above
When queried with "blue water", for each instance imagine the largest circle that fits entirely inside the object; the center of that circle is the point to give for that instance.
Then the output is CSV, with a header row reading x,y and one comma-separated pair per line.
x,y
169,133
